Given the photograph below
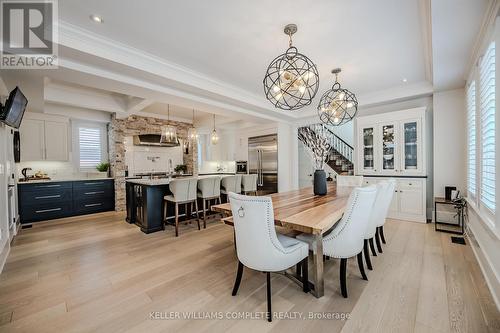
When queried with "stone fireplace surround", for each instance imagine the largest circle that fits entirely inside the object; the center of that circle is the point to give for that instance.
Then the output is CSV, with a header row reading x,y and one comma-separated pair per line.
x,y
134,125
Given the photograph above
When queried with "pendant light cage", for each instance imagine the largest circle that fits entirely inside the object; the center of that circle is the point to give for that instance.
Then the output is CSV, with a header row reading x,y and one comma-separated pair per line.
x,y
192,132
337,106
214,137
292,79
168,132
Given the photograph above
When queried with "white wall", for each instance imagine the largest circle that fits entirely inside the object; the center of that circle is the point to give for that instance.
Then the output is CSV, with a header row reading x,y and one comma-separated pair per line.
x,y
449,140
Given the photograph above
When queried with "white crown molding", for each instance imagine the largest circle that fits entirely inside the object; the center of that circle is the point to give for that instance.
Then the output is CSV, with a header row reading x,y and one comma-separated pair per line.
x,y
85,41
486,26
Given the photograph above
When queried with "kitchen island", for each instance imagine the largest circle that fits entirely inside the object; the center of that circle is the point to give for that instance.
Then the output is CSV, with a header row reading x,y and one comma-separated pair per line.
x,y
145,204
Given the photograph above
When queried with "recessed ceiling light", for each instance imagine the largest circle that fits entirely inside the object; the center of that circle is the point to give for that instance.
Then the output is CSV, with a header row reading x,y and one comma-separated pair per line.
x,y
405,80
96,18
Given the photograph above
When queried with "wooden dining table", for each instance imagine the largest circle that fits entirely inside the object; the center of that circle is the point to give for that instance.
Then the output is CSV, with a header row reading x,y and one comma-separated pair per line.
x,y
301,210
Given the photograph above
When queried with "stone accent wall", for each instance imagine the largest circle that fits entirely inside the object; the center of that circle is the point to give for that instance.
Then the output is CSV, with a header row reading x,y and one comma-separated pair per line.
x,y
133,125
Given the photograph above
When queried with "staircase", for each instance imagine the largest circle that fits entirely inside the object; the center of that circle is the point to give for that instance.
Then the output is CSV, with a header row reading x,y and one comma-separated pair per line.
x,y
340,153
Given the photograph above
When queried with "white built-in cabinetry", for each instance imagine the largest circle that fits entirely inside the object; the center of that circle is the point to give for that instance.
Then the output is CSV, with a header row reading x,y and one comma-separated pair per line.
x,y
393,145
44,139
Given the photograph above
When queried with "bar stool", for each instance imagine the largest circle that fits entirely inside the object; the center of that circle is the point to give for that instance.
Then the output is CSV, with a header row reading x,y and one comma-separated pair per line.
x,y
249,184
183,192
208,189
230,184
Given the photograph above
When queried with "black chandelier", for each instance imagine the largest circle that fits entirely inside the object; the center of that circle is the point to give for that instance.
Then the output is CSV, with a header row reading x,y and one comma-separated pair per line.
x,y
292,79
337,106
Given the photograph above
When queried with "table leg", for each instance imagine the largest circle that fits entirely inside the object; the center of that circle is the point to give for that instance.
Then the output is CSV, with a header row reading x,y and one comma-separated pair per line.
x,y
319,285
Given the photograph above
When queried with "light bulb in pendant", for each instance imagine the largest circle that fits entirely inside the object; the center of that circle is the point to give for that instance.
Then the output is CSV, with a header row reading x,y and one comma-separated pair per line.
x,y
276,89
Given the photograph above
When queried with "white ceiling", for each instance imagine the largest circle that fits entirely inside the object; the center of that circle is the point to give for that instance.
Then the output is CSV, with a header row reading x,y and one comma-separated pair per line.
x,y
377,43
454,33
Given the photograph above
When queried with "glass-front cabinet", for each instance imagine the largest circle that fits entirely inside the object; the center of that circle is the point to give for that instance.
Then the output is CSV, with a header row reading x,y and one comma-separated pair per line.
x,y
412,150
391,144
368,150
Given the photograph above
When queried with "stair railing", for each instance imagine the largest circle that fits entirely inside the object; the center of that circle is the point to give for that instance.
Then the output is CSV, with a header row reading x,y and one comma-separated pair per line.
x,y
342,147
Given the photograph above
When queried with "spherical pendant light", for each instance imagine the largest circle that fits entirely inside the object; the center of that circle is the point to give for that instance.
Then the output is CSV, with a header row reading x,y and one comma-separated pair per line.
x,y
292,79
337,106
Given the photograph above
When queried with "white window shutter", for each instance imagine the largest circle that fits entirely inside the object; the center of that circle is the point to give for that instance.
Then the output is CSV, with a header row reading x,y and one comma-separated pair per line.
x,y
471,140
487,110
90,147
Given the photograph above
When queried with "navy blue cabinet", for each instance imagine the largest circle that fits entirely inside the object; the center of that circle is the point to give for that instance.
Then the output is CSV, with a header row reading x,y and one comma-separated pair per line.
x,y
51,200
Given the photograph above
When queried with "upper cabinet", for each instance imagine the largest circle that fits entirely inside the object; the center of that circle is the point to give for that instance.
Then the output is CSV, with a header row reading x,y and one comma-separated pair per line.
x,y
391,144
44,140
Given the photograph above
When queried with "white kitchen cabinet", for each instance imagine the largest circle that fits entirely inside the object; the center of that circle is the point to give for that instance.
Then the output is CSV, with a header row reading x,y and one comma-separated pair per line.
x,y
409,199
44,140
32,135
391,144
56,141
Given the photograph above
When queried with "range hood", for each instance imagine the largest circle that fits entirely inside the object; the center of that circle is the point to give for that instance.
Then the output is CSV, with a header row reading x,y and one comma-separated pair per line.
x,y
152,140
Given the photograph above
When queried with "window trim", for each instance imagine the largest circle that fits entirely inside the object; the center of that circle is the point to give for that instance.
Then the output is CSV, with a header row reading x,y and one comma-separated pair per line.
x,y
76,125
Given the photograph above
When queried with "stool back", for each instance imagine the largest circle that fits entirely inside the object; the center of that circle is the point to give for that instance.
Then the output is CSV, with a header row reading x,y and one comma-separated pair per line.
x,y
249,183
209,187
183,189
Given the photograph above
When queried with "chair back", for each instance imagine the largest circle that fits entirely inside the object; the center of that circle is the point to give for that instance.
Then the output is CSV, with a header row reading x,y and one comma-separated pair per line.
x,y
231,184
249,182
257,245
183,189
349,180
347,239
389,194
378,213
209,187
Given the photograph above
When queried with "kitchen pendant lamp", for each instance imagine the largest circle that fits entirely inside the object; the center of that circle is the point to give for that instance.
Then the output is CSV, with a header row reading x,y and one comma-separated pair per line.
x,y
168,132
292,79
214,137
337,106
192,132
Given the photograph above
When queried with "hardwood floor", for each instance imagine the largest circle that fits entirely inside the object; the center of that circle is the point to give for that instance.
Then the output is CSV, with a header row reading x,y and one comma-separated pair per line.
x,y
97,273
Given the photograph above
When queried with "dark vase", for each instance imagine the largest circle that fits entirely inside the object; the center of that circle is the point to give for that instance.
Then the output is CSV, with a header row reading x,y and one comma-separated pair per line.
x,y
319,182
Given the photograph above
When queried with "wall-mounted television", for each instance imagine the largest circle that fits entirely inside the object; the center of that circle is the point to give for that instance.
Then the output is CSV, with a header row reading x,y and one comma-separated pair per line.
x,y
12,112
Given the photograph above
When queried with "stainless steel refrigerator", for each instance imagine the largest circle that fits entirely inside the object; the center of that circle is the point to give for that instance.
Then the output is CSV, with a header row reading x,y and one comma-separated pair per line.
x,y
263,161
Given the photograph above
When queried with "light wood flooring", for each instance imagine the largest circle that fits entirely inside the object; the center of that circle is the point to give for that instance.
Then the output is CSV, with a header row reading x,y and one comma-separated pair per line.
x,y
98,274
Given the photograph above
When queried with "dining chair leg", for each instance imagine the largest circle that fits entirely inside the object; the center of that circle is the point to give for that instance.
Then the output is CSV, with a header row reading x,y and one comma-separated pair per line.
x,y
298,269
377,240
269,313
367,255
372,247
361,265
343,273
382,234
237,282
305,274
204,214
176,219
197,214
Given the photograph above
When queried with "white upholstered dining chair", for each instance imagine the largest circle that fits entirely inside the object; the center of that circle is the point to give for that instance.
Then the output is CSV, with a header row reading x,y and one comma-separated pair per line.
x,y
349,180
377,214
389,194
183,192
259,247
346,239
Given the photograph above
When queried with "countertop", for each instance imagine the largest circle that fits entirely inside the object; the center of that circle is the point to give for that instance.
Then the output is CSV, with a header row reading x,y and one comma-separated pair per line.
x,y
158,182
62,180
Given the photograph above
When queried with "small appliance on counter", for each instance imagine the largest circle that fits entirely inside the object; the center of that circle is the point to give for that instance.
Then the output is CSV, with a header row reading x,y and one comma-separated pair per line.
x,y
242,167
39,175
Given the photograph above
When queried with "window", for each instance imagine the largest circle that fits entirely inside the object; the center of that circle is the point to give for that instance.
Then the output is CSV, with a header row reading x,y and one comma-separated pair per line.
x,y
487,117
91,145
471,121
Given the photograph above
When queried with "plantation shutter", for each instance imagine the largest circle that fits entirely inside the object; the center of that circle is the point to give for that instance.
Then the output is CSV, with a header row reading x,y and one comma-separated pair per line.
x,y
90,147
471,139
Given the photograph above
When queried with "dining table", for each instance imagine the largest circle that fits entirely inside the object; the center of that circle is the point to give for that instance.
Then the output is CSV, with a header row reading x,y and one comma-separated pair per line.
x,y
303,211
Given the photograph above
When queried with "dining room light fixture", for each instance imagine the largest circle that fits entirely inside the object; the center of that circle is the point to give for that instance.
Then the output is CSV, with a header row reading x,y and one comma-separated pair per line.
x,y
214,137
168,132
337,106
292,79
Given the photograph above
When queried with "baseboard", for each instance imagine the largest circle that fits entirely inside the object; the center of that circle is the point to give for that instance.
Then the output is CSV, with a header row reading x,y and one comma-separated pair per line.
x,y
490,276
